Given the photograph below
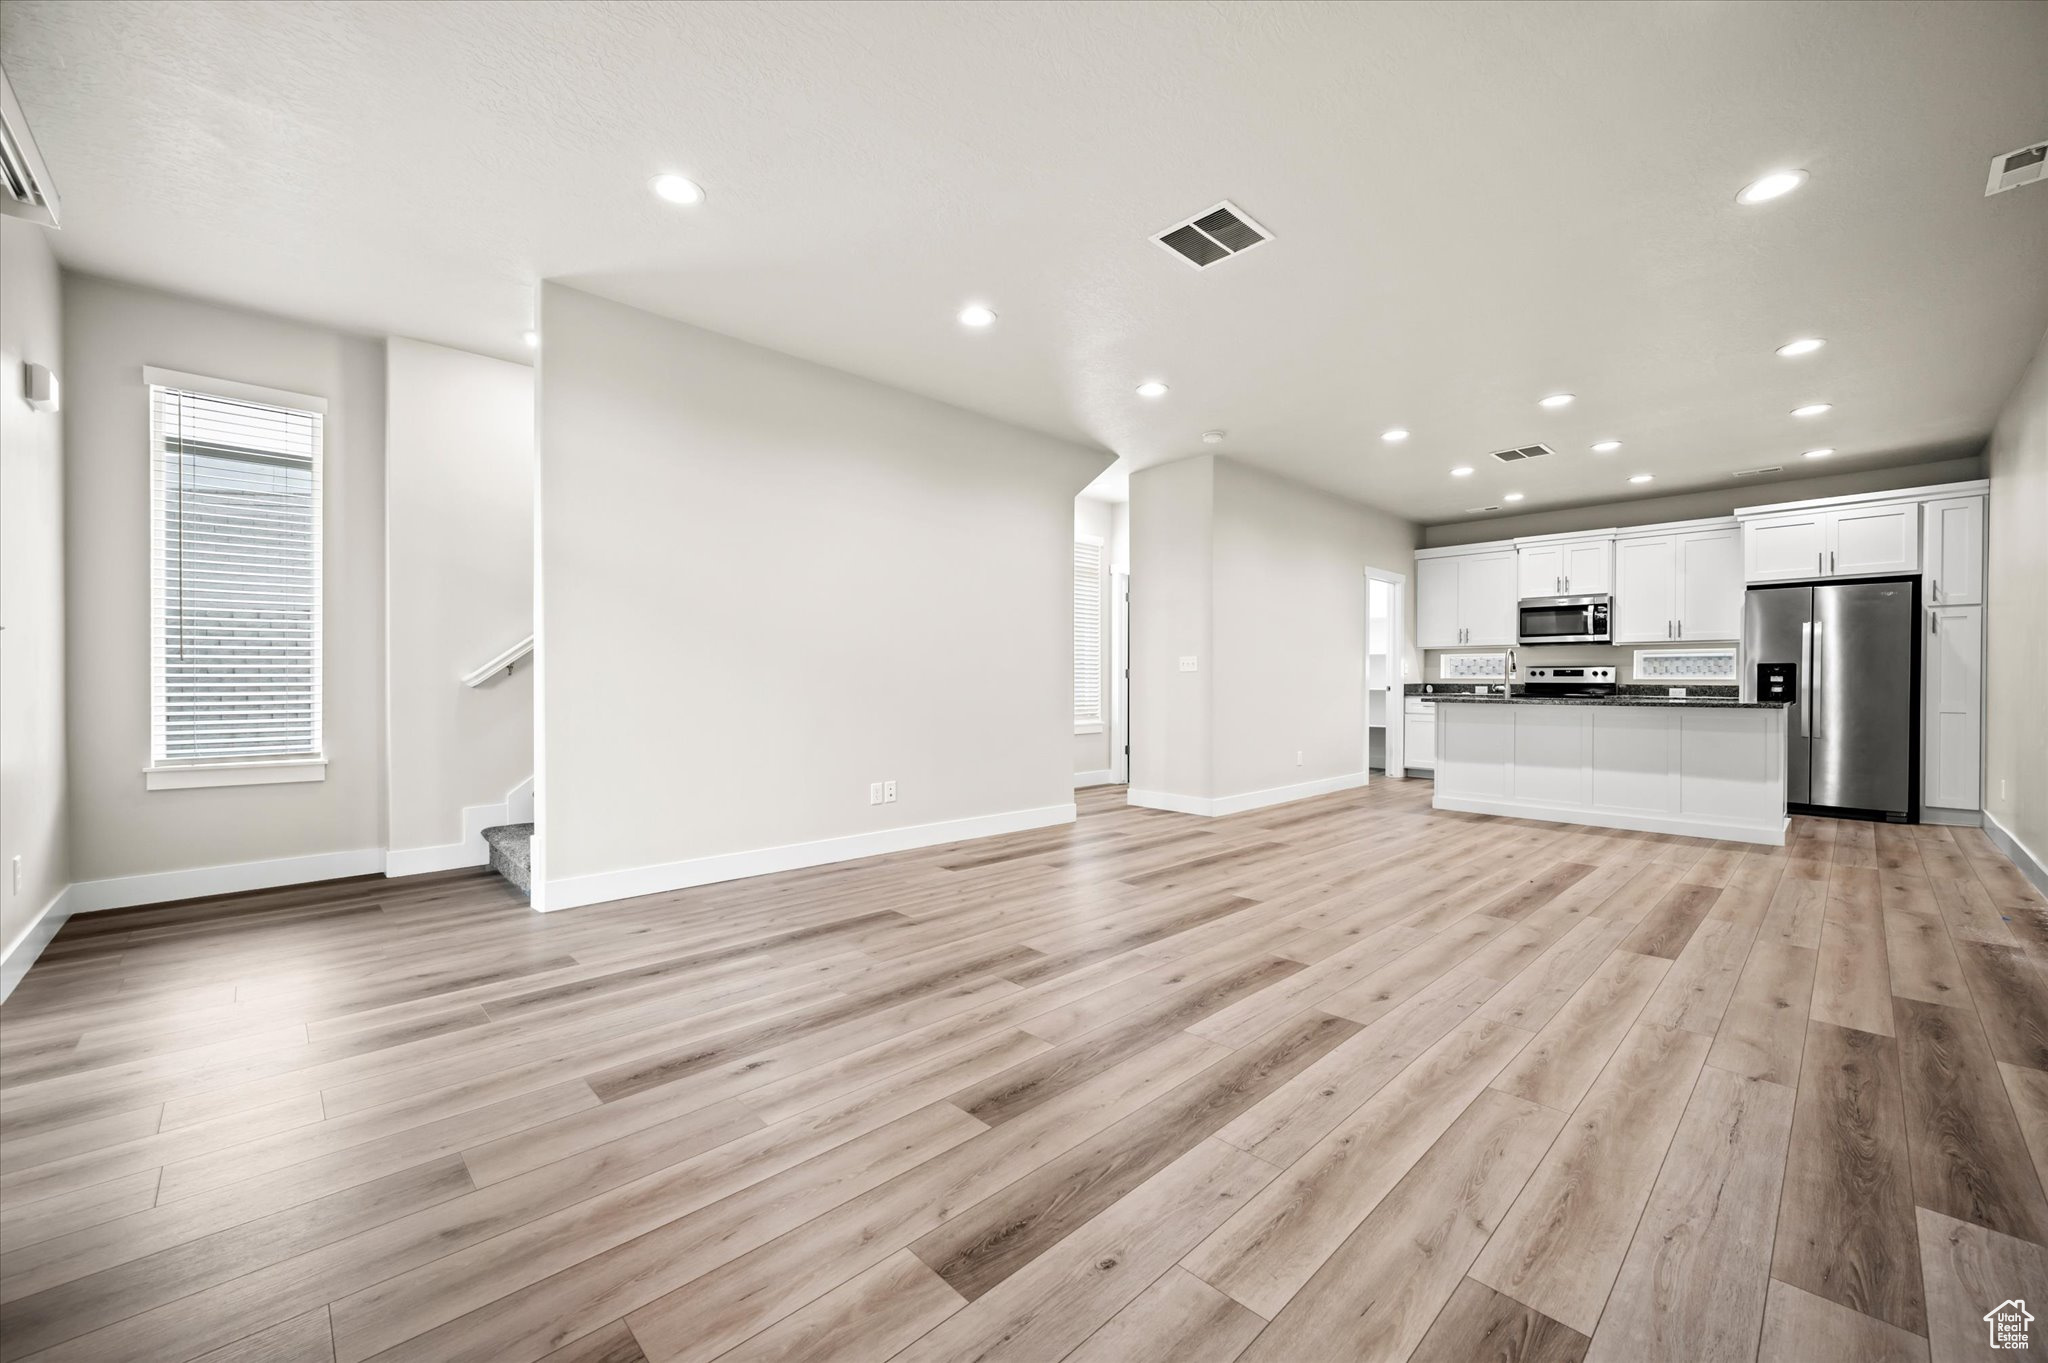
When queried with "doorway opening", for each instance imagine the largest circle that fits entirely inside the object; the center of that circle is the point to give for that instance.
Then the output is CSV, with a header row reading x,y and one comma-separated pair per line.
x,y
1384,681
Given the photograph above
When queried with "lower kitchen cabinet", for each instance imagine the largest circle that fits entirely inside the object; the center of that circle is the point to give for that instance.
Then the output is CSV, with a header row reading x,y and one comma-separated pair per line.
x,y
1952,748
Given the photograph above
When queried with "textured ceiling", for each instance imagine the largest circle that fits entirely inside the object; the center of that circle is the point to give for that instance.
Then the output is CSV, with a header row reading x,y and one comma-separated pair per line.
x,y
1473,205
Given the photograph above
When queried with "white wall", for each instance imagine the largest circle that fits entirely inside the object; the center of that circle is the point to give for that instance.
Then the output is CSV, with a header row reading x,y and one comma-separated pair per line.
x,y
765,584
1263,580
458,497
34,821
112,330
2015,616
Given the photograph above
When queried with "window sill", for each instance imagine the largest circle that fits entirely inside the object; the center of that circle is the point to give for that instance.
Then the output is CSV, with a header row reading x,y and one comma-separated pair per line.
x,y
1081,728
196,774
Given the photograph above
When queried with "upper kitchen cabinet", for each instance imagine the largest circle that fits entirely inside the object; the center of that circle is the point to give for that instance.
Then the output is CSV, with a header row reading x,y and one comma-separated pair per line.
x,y
1565,565
1678,582
1465,596
1861,540
1955,551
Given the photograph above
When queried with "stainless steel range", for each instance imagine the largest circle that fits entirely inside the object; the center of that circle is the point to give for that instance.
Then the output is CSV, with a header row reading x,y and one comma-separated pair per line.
x,y
1583,683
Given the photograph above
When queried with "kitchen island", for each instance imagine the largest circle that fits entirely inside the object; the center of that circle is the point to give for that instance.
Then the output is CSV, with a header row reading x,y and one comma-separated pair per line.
x,y
1707,767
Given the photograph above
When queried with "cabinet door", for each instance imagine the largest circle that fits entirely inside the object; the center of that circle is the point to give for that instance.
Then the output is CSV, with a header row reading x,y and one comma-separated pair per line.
x,y
1487,603
1955,552
1436,603
1775,548
1419,743
1645,589
1710,584
1540,570
1955,707
1878,539
1588,567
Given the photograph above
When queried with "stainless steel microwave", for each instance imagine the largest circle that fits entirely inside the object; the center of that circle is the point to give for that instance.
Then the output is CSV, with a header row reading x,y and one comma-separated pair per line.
x,y
1566,620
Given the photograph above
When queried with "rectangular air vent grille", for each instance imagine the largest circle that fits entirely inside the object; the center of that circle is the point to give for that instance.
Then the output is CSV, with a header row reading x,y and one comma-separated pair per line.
x,y
1753,473
2016,168
1524,452
1475,510
1218,234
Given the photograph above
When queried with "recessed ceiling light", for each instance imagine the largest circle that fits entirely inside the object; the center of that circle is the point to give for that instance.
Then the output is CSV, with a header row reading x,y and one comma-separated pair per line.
x,y
1805,345
1511,497
1776,185
1151,388
1817,454
1213,437
1606,447
1641,478
1813,409
1556,400
1462,471
677,189
532,339
1395,436
976,315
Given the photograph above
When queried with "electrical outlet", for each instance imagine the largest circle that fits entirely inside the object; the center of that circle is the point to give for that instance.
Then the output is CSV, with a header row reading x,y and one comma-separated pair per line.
x,y
1297,757
875,793
888,792
14,869
2001,795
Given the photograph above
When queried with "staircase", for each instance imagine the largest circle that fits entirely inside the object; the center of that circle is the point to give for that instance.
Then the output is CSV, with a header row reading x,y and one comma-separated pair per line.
x,y
511,847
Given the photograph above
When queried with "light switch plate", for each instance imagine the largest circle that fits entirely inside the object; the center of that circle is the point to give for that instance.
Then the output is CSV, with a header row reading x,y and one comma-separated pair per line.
x,y
1187,663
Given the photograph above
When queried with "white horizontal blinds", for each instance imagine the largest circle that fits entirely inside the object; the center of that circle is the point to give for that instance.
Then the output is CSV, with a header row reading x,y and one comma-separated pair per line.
x,y
235,611
1087,632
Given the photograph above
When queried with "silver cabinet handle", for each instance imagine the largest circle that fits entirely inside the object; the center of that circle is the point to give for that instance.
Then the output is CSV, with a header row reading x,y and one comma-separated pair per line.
x,y
1818,563
1557,585
1933,623
1831,560
1937,589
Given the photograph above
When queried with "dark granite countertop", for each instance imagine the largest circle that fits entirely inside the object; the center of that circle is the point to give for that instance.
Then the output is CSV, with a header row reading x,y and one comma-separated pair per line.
x,y
1650,702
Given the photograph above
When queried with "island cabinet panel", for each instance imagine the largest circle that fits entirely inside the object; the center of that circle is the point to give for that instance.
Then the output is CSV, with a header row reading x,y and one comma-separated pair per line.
x,y
1704,770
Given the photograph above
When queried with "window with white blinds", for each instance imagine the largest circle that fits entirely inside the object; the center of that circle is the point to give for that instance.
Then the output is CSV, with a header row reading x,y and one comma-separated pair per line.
x,y
1087,631
235,573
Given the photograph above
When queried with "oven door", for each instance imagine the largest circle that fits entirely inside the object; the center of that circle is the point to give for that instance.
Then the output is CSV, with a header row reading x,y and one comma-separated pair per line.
x,y
1565,620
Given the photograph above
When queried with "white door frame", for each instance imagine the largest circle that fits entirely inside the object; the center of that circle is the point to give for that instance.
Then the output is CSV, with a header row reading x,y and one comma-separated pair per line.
x,y
1396,709
1119,675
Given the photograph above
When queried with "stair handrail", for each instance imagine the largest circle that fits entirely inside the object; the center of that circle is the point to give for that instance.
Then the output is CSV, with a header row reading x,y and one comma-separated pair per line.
x,y
501,664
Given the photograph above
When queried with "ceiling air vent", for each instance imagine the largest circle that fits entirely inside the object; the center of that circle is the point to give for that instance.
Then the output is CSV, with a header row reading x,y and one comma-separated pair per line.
x,y
1525,452
1752,473
2016,168
1475,510
1222,232
25,188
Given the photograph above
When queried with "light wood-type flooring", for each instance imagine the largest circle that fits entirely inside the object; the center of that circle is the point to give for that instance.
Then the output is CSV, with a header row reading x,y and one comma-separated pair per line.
x,y
1341,1080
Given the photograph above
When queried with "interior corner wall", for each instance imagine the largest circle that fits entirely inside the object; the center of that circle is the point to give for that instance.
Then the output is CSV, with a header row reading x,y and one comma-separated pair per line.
x,y
764,585
458,496
34,818
2016,620
1289,623
118,829
1262,581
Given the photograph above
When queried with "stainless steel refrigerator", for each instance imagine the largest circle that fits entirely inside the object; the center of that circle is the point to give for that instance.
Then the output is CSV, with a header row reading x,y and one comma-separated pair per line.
x,y
1854,729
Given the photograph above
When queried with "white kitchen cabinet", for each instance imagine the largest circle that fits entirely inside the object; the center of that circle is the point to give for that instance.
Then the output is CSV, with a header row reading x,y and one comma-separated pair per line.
x,y
1683,584
1851,541
1955,551
1952,756
1563,565
1419,734
1466,598
1710,587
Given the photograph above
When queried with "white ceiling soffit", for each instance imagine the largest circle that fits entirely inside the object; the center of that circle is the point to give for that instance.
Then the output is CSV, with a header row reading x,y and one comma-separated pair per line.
x,y
1471,206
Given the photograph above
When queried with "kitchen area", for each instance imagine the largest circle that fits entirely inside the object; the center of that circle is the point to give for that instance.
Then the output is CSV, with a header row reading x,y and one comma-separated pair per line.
x,y
1711,677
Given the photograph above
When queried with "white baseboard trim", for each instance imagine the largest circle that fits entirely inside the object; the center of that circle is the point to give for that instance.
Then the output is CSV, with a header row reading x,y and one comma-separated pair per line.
x,y
21,953
1105,777
122,892
1951,818
575,891
1252,799
2020,854
516,807
1771,836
